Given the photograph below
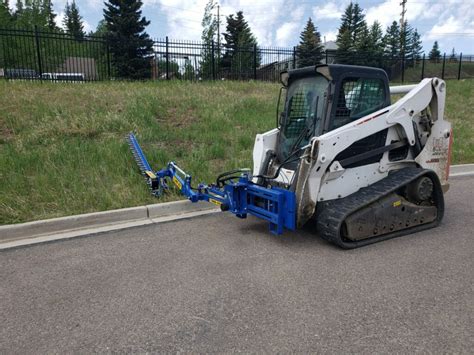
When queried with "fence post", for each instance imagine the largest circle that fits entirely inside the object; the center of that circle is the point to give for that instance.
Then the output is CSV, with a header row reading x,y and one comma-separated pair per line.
x,y
294,58
108,59
255,62
167,60
459,68
326,53
423,67
213,63
444,63
38,53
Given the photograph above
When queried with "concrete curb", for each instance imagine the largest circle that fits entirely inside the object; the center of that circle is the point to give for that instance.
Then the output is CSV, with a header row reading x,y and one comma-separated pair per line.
x,y
73,226
461,170
15,235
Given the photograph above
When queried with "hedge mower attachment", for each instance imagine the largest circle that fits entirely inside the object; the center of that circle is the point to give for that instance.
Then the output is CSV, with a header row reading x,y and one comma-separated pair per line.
x,y
233,191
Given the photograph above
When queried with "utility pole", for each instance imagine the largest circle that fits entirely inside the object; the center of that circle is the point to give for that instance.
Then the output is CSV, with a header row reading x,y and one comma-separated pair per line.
x,y
402,25
218,27
403,37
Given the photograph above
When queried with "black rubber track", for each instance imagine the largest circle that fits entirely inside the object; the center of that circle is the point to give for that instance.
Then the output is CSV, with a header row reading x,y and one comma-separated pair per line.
x,y
330,215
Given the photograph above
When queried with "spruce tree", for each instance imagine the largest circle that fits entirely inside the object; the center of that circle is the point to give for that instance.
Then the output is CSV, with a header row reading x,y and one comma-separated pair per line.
x,y
310,50
129,44
240,44
73,21
364,51
405,41
376,37
358,23
435,54
346,21
392,41
6,17
48,13
345,47
19,7
350,32
416,46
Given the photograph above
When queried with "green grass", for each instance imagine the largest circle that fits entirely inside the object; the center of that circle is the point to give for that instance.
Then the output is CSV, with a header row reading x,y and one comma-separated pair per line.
x,y
62,148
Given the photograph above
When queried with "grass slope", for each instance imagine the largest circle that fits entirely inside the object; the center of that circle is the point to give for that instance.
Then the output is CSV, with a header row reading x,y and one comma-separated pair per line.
x,y
62,148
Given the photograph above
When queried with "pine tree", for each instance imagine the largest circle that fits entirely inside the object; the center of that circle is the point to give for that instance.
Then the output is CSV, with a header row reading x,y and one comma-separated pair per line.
x,y
405,40
19,7
416,46
392,41
345,47
310,49
48,12
73,21
350,31
346,21
67,17
358,23
376,37
240,44
364,51
6,17
129,44
435,54
209,31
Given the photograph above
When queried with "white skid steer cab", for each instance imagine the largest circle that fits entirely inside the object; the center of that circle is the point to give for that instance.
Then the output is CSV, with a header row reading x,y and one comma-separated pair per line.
x,y
343,160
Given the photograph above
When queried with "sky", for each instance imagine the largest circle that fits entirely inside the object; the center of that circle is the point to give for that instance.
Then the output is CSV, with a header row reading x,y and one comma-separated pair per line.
x,y
279,22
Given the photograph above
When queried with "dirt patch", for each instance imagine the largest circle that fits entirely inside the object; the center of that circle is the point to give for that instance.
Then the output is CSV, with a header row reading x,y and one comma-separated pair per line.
x,y
217,164
6,134
176,144
178,117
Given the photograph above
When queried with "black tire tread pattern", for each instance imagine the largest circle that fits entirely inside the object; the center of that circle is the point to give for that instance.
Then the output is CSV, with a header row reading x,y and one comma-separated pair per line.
x,y
330,215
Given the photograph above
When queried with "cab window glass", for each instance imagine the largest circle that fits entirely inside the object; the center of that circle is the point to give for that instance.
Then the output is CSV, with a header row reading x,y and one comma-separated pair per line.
x,y
305,96
358,97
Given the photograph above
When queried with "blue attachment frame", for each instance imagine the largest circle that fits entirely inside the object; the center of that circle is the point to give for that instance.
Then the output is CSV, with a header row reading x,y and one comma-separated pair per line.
x,y
242,197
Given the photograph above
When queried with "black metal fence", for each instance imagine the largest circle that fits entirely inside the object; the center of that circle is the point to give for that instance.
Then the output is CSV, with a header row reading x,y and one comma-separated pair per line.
x,y
39,55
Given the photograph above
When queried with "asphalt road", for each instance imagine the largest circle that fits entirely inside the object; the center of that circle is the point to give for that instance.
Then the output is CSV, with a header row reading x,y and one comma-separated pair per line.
x,y
220,284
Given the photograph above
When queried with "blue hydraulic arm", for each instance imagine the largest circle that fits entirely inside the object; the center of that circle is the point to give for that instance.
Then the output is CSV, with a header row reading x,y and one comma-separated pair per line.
x,y
241,197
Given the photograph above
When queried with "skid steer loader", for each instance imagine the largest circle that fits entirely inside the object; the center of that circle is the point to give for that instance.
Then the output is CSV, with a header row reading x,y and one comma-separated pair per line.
x,y
342,159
